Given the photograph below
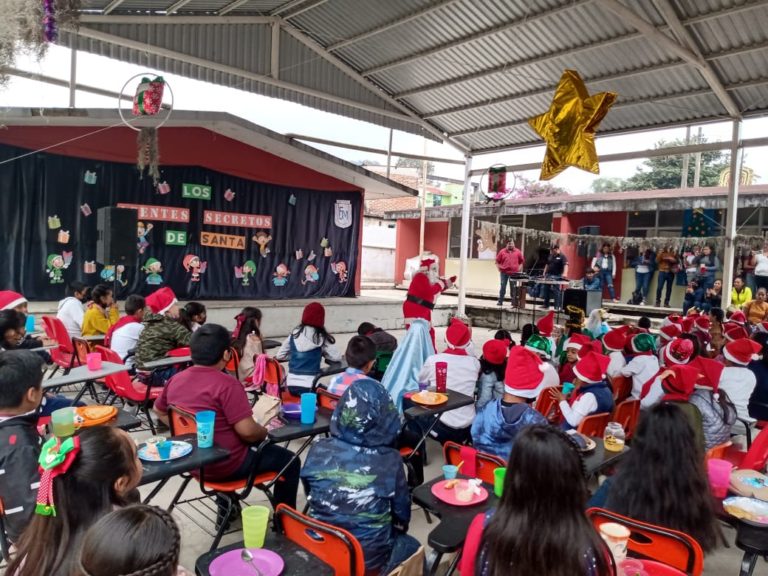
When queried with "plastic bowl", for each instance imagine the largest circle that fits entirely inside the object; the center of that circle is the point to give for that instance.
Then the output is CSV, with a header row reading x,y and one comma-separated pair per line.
x,y
292,411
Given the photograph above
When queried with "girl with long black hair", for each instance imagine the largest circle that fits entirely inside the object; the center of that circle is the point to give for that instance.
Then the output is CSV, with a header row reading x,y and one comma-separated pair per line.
x,y
540,526
662,480
247,340
193,315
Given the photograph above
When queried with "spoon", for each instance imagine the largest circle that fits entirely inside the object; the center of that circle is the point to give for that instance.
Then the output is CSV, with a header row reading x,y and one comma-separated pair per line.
x,y
247,557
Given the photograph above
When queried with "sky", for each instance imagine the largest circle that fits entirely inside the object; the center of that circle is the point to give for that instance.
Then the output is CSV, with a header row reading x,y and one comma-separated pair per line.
x,y
287,117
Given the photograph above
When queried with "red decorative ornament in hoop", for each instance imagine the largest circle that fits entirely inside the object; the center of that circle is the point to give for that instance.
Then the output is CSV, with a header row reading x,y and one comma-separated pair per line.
x,y
496,188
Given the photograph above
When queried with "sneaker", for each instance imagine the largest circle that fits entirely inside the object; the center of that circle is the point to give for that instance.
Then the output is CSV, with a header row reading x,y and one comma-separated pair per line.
x,y
499,303
658,304
643,303
616,300
666,304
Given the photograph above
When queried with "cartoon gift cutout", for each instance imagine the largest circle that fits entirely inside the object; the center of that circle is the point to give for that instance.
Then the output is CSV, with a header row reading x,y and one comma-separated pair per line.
x,y
280,277
299,254
163,188
89,267
340,269
246,272
326,246
262,239
152,268
55,266
229,195
311,275
193,264
63,237
86,210
54,222
141,233
89,177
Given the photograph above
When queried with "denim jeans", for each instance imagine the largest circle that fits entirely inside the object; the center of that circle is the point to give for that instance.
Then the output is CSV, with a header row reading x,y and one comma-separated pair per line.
x,y
606,279
403,547
667,278
505,279
272,459
548,289
642,281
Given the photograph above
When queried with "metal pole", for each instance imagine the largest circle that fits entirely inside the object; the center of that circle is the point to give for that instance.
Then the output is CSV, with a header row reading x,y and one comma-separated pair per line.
x,y
423,223
72,77
464,253
389,152
732,209
684,175
697,167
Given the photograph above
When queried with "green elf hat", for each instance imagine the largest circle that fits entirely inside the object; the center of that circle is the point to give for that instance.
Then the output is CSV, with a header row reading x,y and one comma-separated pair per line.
x,y
643,343
539,345
150,262
51,258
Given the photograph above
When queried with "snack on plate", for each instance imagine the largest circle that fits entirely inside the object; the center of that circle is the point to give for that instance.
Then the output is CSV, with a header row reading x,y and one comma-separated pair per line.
x,y
450,484
747,508
750,483
94,415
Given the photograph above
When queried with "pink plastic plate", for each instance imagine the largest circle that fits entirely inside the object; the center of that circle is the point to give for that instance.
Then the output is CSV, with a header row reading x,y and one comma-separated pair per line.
x,y
449,495
231,564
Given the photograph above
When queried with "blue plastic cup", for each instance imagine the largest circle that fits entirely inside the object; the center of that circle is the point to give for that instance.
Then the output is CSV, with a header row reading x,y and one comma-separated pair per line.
x,y
450,471
30,325
308,406
205,421
164,449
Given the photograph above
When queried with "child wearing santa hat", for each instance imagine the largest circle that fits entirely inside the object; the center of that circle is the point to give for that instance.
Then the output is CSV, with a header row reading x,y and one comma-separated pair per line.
x,y
10,300
737,380
677,353
718,413
644,366
305,348
542,347
463,369
572,348
162,332
501,420
592,394
493,364
614,343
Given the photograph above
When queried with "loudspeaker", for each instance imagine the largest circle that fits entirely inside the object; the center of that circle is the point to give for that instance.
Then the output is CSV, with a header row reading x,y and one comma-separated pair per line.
x,y
588,249
586,300
116,242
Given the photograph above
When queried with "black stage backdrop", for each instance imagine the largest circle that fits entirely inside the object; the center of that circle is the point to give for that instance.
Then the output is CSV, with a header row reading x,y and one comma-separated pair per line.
x,y
38,189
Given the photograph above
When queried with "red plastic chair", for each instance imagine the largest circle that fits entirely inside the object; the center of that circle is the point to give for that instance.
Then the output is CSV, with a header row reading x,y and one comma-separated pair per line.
x,y
233,366
594,425
485,464
130,391
548,407
334,546
718,451
627,413
753,459
664,545
63,356
327,400
622,388
233,492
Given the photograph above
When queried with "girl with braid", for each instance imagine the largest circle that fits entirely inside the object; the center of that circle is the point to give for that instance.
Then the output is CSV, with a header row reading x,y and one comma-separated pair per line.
x,y
134,541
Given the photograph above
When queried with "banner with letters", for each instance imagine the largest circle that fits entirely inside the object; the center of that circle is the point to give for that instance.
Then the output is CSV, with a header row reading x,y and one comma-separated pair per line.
x,y
207,235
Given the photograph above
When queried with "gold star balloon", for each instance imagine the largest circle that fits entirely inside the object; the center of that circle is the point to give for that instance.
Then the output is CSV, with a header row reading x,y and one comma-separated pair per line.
x,y
568,127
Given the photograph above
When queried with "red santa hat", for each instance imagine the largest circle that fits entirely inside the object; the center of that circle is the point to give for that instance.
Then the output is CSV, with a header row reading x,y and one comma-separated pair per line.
x,y
735,332
525,373
678,351
709,372
738,316
458,334
426,263
10,299
687,324
742,351
313,315
593,346
674,318
577,341
680,385
591,369
162,300
670,331
615,340
546,324
495,351
702,323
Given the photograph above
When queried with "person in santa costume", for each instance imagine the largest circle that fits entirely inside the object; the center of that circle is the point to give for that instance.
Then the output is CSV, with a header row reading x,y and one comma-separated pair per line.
x,y
463,369
592,394
644,366
502,419
737,380
424,288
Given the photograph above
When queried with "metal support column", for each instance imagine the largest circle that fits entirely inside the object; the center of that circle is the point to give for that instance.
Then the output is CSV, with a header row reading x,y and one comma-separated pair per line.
x,y
389,152
72,77
732,210
466,216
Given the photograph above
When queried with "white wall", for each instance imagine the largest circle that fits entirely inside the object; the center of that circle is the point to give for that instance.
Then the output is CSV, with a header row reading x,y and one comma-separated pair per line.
x,y
378,258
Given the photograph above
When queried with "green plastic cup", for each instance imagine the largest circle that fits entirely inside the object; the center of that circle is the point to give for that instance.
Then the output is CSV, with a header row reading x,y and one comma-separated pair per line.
x,y
498,481
255,522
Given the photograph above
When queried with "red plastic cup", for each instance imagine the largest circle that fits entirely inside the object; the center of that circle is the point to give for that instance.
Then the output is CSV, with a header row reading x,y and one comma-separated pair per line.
x,y
719,473
93,361
441,376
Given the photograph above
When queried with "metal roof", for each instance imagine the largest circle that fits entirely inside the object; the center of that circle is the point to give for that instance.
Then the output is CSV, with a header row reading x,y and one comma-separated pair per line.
x,y
467,71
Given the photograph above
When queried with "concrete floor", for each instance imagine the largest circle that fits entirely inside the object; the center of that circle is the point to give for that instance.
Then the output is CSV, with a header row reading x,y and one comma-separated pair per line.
x,y
195,541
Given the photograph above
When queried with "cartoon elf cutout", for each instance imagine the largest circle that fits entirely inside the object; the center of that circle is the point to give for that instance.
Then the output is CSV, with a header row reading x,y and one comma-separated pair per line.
x,y
152,268
55,266
193,264
246,272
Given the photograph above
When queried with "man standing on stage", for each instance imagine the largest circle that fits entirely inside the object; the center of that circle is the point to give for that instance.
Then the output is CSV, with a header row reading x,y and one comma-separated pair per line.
x,y
509,261
556,269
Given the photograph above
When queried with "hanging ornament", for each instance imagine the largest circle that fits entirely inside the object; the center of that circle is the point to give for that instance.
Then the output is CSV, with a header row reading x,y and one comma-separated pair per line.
x,y
150,113
569,126
493,183
50,27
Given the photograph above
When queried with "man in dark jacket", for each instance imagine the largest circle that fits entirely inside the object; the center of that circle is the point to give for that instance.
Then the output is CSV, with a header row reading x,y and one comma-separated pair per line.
x,y
21,376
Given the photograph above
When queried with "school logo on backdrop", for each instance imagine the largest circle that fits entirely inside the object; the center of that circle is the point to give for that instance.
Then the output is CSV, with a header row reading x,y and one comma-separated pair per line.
x,y
342,215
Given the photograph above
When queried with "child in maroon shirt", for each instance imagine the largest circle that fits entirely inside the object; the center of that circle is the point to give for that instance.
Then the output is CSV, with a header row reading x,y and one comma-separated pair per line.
x,y
205,386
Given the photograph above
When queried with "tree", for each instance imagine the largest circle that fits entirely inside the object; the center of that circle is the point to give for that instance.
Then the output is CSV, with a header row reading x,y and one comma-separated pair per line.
x,y
525,188
664,172
607,185
414,163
